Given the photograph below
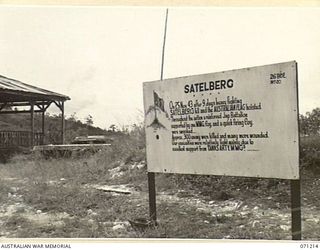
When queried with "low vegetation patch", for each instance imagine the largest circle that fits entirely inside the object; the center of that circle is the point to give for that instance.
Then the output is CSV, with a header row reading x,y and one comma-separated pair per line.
x,y
57,198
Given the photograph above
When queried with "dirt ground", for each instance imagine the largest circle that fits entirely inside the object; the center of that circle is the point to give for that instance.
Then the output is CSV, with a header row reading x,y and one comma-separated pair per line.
x,y
181,213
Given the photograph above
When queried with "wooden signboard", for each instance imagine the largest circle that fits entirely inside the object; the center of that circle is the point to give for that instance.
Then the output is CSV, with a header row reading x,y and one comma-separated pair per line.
x,y
237,123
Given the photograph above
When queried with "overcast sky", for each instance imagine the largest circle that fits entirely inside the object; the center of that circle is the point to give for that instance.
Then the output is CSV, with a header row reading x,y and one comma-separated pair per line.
x,y
100,56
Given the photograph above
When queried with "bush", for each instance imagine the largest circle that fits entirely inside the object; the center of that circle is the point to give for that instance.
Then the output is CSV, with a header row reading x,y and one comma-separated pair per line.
x,y
128,147
310,154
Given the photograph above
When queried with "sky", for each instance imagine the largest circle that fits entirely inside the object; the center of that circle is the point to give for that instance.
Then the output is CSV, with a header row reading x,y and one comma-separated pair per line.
x,y
100,56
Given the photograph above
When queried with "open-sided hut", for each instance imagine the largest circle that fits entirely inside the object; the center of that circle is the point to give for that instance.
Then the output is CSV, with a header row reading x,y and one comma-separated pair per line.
x,y
17,97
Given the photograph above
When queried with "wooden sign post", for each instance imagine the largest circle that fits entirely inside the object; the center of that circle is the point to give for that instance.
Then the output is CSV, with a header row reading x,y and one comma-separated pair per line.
x,y
295,209
151,175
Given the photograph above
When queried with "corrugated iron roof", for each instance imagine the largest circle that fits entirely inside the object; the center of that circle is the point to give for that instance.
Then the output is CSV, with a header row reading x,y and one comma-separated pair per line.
x,y
18,87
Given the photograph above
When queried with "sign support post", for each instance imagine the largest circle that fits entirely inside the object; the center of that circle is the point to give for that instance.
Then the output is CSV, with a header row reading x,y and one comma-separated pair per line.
x,y
295,209
152,197
295,186
151,175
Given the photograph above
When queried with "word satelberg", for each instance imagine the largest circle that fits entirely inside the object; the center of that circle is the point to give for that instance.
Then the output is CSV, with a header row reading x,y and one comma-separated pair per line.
x,y
207,86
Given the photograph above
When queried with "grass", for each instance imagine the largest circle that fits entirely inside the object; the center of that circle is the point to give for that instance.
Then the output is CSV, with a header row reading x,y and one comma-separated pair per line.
x,y
56,186
60,186
4,190
45,191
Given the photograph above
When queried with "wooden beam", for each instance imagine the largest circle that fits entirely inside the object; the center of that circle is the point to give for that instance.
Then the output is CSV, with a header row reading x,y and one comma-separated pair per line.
x,y
62,123
26,96
18,104
60,105
48,105
44,106
19,111
32,123
41,107
43,127
22,104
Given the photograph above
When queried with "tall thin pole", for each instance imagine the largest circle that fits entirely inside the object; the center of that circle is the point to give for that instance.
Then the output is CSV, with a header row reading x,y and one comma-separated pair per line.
x,y
164,44
62,123
296,185
152,197
296,209
43,126
32,123
151,175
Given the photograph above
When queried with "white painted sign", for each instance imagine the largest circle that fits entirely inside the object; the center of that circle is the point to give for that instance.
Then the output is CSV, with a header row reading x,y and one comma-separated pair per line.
x,y
237,123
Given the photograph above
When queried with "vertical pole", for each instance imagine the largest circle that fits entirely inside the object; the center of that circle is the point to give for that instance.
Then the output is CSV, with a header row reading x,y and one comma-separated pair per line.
x,y
296,184
296,209
151,175
43,127
32,123
62,123
152,197
164,45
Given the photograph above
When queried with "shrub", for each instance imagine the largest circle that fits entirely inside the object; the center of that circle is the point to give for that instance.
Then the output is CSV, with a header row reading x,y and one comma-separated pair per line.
x,y
310,153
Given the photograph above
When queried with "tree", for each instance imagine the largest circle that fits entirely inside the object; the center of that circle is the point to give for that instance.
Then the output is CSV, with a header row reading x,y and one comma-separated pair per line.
x,y
89,120
112,128
310,123
73,117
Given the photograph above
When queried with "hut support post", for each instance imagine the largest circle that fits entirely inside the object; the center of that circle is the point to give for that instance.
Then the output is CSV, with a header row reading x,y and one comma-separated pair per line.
x,y
32,123
43,126
62,124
